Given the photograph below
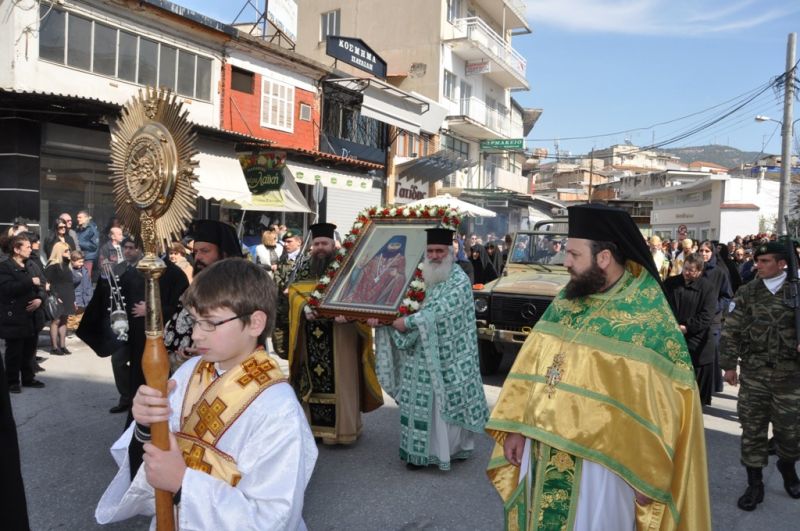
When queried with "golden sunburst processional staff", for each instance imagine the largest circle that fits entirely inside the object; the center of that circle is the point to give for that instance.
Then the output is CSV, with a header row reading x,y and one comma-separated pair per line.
x,y
151,149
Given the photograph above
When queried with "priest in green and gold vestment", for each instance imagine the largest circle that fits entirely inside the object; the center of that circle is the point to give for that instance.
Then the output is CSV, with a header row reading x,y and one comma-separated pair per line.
x,y
428,362
599,424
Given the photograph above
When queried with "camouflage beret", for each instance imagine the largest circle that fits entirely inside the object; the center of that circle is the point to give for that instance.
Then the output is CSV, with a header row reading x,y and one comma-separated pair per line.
x,y
777,248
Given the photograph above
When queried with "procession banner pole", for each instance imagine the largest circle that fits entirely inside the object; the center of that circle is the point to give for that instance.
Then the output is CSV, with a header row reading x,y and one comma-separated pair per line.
x,y
152,145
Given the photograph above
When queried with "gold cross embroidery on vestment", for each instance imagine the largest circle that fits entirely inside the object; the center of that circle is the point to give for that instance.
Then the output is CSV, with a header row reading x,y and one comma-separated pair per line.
x,y
210,417
194,459
255,371
554,373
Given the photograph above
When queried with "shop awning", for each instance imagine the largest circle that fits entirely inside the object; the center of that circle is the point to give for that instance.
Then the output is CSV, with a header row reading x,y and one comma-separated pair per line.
x,y
308,174
288,199
219,173
388,104
432,168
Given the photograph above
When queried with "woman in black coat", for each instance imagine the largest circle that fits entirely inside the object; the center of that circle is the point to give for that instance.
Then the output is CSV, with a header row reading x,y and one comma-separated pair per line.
x,y
482,265
694,303
59,275
21,294
717,273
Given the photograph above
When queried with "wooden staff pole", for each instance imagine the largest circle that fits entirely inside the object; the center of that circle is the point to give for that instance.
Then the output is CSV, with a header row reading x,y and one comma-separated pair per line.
x,y
155,364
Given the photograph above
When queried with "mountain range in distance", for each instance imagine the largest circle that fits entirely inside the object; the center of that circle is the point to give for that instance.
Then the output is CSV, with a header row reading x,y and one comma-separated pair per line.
x,y
726,156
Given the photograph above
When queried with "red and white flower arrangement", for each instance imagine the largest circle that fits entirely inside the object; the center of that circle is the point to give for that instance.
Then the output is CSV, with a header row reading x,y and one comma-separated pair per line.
x,y
450,218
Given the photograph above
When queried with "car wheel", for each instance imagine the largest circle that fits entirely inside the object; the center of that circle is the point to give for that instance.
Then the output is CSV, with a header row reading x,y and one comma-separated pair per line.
x,y
490,358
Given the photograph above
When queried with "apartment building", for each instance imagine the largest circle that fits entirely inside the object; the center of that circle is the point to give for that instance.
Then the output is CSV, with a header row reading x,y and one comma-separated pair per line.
x,y
456,54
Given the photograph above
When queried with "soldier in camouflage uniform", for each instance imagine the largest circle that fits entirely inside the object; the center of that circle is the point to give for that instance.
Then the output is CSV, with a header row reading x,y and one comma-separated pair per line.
x,y
292,244
760,335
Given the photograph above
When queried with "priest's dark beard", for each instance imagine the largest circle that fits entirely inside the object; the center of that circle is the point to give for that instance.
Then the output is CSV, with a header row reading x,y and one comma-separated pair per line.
x,y
319,263
589,282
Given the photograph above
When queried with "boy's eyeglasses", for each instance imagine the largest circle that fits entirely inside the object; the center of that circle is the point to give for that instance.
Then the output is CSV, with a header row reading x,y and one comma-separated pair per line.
x,y
209,326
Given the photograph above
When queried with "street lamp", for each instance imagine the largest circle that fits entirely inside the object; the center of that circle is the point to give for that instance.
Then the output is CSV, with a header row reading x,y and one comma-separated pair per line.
x,y
786,170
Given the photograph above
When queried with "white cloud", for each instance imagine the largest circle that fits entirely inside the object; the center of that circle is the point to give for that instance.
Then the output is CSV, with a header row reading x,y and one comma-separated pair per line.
x,y
657,17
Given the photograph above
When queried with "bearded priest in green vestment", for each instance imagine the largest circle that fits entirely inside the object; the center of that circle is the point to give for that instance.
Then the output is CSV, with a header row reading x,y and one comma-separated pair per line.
x,y
428,362
599,424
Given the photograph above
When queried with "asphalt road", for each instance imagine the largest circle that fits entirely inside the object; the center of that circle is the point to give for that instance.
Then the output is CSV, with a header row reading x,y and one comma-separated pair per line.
x,y
65,431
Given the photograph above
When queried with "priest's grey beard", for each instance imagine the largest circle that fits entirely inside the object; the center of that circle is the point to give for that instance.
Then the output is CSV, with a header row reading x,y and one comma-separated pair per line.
x,y
434,273
589,282
319,263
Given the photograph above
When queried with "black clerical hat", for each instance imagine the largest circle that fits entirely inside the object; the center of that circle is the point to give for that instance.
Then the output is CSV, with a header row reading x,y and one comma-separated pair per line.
x,y
440,236
220,234
606,224
322,230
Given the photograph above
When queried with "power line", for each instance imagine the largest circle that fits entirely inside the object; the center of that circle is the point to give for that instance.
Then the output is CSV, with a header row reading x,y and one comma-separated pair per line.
x,y
759,89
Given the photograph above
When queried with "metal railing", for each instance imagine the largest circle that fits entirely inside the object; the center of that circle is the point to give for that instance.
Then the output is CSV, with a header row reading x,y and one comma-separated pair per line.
x,y
478,111
477,31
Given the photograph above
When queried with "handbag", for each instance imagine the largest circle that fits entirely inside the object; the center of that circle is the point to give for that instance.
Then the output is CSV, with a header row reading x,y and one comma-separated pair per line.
x,y
52,308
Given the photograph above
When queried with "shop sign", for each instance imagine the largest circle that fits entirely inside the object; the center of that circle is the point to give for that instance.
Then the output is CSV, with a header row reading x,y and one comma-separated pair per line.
x,y
263,171
503,143
409,190
478,68
355,52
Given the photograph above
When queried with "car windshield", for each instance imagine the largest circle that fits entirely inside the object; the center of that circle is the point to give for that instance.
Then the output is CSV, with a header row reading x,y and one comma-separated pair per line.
x,y
540,247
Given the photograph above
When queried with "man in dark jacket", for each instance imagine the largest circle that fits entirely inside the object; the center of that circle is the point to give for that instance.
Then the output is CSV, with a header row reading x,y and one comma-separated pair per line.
x,y
694,304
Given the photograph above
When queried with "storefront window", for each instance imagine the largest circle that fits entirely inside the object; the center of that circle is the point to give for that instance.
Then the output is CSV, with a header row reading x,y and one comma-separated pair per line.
x,y
70,184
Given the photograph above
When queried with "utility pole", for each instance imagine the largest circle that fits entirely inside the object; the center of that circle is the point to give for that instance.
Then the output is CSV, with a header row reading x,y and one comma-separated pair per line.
x,y
591,174
786,136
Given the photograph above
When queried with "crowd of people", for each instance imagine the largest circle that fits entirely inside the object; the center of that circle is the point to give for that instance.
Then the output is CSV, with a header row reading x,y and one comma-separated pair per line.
x,y
639,338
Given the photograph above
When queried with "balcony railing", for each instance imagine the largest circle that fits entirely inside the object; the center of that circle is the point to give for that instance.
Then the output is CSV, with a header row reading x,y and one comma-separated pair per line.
x,y
477,31
498,121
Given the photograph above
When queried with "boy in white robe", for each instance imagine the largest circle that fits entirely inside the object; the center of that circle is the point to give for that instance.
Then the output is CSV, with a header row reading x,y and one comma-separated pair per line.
x,y
241,452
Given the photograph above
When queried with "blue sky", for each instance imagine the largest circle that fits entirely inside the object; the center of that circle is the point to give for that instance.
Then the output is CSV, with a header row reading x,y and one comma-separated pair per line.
x,y
602,66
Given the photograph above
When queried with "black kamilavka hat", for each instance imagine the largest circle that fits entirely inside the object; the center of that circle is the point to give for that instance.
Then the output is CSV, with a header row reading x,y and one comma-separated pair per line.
x,y
220,234
322,230
440,236
606,224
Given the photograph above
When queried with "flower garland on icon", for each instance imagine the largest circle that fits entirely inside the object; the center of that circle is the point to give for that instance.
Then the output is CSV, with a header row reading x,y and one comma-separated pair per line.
x,y
450,218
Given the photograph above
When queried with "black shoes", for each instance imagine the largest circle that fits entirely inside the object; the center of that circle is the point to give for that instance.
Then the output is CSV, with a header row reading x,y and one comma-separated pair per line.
x,y
37,368
120,408
56,352
755,490
14,388
790,480
33,383
40,359
66,351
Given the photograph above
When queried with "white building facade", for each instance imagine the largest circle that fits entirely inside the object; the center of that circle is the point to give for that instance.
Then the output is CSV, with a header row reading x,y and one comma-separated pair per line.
x,y
715,207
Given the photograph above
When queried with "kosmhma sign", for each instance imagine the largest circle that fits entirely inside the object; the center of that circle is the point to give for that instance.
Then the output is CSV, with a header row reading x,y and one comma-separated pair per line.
x,y
355,52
